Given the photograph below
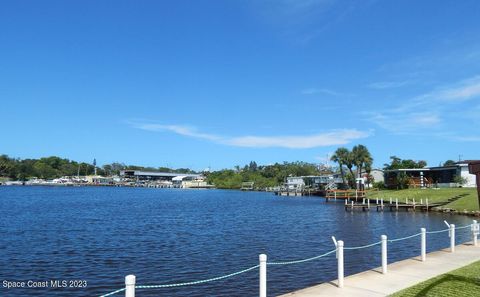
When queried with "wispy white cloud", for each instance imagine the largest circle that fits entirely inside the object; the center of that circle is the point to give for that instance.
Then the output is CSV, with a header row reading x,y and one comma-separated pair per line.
x,y
182,130
466,90
406,123
335,137
471,138
303,20
428,111
314,91
388,84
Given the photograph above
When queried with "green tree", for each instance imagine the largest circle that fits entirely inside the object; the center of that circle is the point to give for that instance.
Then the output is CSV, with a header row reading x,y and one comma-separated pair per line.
x,y
397,163
449,163
341,156
361,158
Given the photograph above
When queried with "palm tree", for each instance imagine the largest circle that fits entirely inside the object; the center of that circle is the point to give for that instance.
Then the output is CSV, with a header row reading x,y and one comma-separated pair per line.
x,y
361,158
341,156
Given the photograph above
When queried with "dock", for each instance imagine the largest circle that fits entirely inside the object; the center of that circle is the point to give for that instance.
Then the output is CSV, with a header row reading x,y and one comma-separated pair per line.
x,y
401,275
380,205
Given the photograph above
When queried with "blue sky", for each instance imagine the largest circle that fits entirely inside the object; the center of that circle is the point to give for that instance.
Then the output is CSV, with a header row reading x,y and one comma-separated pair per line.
x,y
220,83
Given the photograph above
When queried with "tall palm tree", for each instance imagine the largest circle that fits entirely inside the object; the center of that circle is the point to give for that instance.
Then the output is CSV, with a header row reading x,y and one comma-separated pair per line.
x,y
341,156
361,158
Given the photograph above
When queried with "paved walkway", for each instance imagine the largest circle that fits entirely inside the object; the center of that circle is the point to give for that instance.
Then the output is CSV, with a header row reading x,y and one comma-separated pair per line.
x,y
401,275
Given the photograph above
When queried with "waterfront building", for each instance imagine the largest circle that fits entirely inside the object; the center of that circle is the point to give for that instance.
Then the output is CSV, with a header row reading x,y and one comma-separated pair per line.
x,y
140,175
438,177
312,181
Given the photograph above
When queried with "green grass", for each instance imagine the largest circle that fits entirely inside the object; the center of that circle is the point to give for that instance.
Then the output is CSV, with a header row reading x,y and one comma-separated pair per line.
x,y
463,282
468,202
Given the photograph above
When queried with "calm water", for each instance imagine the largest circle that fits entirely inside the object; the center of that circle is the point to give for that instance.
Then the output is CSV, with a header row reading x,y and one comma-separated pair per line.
x,y
163,236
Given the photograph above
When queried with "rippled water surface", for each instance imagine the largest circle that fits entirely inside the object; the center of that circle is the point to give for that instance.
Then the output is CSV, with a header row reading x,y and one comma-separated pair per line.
x,y
170,235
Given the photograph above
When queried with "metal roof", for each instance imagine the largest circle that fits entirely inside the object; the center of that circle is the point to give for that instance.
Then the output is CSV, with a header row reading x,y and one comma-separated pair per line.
x,y
162,174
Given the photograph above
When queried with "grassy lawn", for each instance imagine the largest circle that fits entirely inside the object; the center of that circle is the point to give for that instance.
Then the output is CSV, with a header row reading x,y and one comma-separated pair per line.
x,y
464,281
468,201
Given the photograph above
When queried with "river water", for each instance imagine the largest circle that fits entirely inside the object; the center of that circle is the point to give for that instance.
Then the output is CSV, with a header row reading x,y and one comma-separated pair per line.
x,y
99,235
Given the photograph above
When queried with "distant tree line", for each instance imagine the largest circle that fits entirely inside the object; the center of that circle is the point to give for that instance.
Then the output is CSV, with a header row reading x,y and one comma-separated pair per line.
x,y
263,176
55,167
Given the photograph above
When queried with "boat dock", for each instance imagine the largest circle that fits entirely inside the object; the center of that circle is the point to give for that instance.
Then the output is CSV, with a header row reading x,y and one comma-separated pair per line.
x,y
379,205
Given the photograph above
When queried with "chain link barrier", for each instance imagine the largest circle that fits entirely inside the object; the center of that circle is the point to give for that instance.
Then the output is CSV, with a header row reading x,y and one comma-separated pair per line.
x,y
303,260
277,263
362,247
404,238
114,292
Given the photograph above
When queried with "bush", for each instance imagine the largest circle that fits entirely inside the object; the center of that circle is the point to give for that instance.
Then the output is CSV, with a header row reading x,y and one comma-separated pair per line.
x,y
378,185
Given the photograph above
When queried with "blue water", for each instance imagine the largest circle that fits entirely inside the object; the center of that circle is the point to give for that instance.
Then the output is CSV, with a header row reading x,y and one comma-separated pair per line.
x,y
100,235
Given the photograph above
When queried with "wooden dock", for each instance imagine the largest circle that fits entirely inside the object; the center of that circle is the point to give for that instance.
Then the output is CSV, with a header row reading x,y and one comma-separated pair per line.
x,y
345,194
379,205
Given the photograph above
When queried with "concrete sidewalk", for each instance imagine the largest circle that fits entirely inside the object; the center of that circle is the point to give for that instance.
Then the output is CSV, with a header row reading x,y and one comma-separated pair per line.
x,y
401,275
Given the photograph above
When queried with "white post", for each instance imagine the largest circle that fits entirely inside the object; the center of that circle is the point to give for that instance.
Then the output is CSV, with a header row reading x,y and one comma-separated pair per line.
x,y
396,203
335,195
474,232
376,201
452,238
263,275
130,285
352,206
368,203
423,250
390,200
340,263
381,201
363,201
384,253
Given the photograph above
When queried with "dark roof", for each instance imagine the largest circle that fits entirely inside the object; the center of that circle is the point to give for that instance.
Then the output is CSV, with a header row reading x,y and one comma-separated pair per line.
x,y
467,161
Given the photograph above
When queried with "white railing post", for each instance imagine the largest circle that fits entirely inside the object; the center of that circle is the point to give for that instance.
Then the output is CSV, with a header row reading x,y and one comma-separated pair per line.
x,y
423,249
384,253
263,275
340,263
475,230
130,285
452,238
